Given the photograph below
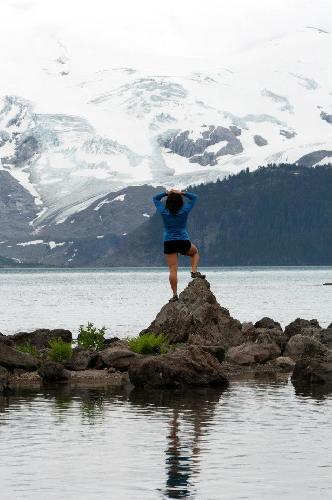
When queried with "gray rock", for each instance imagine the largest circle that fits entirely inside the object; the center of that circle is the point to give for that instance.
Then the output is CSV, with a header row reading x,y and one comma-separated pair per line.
x,y
314,157
40,338
260,141
287,134
11,359
179,142
190,366
326,337
310,328
118,358
284,363
314,367
267,323
326,116
51,371
298,344
81,359
197,318
252,353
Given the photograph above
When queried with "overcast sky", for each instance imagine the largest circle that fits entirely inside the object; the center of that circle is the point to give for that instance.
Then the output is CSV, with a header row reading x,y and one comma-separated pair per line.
x,y
107,33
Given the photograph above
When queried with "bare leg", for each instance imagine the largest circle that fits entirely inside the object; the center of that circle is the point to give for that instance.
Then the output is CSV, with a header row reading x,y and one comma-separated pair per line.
x,y
172,262
194,257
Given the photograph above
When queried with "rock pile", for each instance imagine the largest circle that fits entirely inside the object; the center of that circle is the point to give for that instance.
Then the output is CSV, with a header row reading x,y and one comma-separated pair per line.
x,y
207,348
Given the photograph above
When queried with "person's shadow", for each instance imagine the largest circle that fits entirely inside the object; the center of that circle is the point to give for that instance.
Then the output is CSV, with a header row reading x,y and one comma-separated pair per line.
x,y
193,410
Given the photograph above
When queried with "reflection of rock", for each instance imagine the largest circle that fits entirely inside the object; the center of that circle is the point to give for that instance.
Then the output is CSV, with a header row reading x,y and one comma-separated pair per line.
x,y
189,366
197,318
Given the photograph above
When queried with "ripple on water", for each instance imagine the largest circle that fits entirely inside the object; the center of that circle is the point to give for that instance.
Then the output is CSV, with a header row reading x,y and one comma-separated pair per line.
x,y
255,440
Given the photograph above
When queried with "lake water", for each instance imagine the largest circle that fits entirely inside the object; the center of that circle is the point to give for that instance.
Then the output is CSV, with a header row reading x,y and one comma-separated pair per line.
x,y
126,300
258,440
255,441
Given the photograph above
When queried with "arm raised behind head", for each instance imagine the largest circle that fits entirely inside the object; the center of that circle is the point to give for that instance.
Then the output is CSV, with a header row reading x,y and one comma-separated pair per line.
x,y
156,200
192,200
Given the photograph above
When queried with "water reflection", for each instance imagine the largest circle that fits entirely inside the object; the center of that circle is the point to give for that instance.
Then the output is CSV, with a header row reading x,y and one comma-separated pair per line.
x,y
167,444
190,415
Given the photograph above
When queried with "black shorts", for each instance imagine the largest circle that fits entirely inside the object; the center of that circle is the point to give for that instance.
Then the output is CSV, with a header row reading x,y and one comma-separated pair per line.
x,y
177,246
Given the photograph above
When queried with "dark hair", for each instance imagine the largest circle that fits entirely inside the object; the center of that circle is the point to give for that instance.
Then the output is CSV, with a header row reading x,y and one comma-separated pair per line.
x,y
174,202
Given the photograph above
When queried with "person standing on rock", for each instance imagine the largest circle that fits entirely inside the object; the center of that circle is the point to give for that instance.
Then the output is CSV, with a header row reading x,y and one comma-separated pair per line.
x,y
176,239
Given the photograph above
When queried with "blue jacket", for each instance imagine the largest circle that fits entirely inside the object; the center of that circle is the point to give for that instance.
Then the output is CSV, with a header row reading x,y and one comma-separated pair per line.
x,y
175,224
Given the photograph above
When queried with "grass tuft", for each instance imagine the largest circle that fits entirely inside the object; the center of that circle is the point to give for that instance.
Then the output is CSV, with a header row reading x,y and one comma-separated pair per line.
x,y
59,350
149,343
28,348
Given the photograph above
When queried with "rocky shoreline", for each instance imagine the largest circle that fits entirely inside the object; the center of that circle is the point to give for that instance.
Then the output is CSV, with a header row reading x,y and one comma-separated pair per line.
x,y
207,347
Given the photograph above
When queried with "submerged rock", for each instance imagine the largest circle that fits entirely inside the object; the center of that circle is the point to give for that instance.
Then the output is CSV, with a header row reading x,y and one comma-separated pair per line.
x,y
11,359
197,318
189,366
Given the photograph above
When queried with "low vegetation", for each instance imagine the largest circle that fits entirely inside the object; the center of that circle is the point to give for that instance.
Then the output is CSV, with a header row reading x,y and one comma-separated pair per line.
x,y
28,348
90,337
59,350
149,343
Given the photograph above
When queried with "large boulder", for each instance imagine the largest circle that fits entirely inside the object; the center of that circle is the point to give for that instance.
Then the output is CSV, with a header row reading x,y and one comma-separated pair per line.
x,y
298,344
310,328
267,323
197,318
11,359
326,337
40,338
6,339
189,366
252,353
314,367
51,371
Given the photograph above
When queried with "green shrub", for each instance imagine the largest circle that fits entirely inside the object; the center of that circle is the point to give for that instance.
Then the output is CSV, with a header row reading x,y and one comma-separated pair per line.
x,y
91,337
149,344
27,348
59,350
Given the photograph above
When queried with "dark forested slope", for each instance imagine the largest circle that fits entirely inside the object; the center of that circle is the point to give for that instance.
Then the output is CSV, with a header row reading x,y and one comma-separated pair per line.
x,y
276,215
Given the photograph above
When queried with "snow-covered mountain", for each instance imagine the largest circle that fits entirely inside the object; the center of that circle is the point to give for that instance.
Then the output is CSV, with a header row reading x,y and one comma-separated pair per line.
x,y
125,127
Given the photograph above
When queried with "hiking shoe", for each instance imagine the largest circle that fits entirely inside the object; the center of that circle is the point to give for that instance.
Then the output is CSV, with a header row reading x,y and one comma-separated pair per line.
x,y
197,275
175,298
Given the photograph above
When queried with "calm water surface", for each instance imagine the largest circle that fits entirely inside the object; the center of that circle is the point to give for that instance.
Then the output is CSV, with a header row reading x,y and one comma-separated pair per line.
x,y
126,300
256,440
